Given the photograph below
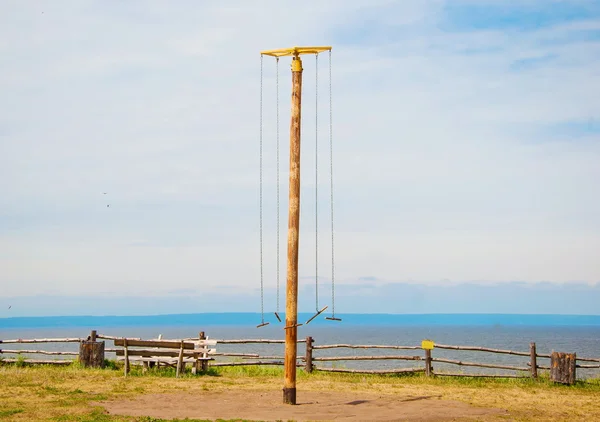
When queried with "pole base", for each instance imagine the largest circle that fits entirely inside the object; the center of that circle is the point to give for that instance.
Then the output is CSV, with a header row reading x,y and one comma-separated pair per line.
x,y
289,395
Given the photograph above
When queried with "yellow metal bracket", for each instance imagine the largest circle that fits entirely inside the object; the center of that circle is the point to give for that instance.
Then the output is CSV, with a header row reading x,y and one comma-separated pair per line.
x,y
296,64
295,51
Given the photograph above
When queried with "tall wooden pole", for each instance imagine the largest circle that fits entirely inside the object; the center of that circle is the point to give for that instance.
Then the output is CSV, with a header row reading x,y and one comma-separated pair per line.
x,y
291,304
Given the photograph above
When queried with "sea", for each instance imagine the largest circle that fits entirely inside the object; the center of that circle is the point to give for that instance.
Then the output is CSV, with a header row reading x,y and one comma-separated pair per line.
x,y
578,334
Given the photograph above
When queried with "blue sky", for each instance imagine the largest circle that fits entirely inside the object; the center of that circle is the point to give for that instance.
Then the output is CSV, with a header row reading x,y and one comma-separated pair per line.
x,y
466,148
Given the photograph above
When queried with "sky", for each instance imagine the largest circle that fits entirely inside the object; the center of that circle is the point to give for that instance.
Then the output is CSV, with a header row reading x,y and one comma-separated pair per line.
x,y
466,143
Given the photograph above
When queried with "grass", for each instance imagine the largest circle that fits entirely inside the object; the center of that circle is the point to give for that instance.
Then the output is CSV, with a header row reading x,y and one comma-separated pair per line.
x,y
45,393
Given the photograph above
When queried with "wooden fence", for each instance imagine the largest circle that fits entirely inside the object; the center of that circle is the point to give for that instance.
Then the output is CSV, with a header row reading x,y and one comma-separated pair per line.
x,y
316,357
19,351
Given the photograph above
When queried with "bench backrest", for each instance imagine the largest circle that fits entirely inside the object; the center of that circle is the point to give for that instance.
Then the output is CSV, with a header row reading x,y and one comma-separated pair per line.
x,y
166,344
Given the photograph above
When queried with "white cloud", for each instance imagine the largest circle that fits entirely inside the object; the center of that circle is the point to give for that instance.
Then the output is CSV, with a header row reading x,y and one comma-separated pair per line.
x,y
445,162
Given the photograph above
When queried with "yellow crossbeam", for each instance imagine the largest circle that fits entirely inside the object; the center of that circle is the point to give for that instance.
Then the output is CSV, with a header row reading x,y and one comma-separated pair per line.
x,y
295,51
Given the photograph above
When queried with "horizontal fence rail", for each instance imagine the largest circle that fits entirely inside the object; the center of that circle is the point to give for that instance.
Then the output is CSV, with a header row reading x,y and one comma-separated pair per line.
x,y
365,346
367,358
450,374
43,340
480,365
103,336
257,341
37,352
39,361
588,359
372,371
384,357
481,349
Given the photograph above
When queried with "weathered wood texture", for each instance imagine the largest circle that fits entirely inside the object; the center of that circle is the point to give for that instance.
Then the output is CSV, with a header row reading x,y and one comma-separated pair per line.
x,y
180,364
199,355
480,349
588,359
202,365
255,341
539,366
274,357
252,363
563,367
370,371
448,374
308,358
242,355
544,355
126,366
533,360
39,361
382,357
428,367
291,307
106,337
179,351
157,352
37,352
480,365
365,346
166,344
43,340
167,360
91,354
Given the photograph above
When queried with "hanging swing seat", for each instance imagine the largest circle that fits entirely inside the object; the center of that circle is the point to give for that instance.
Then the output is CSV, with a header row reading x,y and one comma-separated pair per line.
x,y
316,315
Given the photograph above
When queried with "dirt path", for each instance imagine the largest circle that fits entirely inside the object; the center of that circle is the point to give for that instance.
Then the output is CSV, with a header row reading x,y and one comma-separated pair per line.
x,y
266,405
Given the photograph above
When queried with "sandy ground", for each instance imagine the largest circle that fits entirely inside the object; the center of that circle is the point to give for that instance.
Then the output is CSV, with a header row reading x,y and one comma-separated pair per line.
x,y
257,405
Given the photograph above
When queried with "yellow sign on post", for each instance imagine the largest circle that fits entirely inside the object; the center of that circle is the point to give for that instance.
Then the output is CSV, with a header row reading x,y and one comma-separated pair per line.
x,y
427,344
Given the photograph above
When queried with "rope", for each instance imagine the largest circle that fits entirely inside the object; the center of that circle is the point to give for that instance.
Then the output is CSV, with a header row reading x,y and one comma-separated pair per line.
x,y
316,182
331,190
262,315
278,261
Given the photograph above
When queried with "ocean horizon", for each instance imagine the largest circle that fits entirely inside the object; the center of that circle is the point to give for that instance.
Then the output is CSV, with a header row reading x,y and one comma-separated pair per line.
x,y
251,319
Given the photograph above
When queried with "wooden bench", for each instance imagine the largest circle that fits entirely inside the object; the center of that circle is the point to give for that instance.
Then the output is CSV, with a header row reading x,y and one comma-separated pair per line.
x,y
170,352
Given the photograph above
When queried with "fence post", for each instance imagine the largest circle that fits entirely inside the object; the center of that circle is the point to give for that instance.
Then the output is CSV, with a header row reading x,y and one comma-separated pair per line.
x,y
126,355
428,368
533,360
203,363
308,364
428,346
91,352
